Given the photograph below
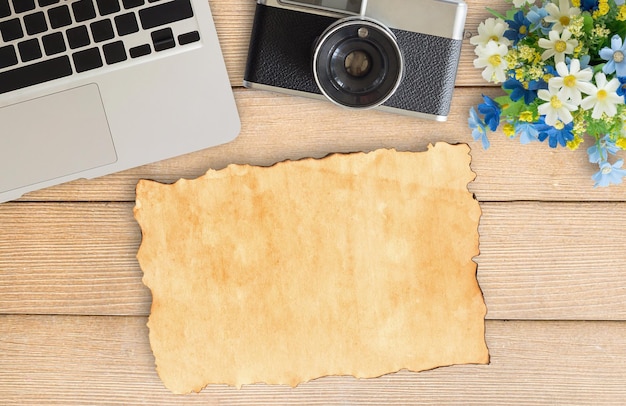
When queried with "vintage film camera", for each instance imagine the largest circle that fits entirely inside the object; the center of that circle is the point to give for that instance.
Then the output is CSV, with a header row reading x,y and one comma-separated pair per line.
x,y
395,55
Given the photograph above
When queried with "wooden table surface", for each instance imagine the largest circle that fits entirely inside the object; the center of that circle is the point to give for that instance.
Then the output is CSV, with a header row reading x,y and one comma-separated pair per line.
x,y
552,266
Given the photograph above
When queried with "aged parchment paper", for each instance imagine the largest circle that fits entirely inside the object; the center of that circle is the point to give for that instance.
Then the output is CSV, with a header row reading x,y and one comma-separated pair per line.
x,y
356,264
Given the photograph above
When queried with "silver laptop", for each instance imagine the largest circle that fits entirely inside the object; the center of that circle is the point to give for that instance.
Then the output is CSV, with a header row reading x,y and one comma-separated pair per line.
x,y
91,87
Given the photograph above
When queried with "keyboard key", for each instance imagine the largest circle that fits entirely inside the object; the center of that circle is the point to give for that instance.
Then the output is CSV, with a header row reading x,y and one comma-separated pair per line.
x,y
39,72
8,57
78,37
106,7
35,23
163,39
44,3
22,6
53,43
126,24
140,50
132,3
102,30
87,59
29,50
165,13
83,10
189,37
114,52
59,16
11,29
5,10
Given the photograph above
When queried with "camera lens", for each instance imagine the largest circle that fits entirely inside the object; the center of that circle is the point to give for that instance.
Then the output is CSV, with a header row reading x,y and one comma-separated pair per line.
x,y
357,63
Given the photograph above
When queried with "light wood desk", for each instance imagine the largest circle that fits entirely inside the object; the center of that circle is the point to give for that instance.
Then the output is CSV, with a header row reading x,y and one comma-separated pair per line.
x,y
552,265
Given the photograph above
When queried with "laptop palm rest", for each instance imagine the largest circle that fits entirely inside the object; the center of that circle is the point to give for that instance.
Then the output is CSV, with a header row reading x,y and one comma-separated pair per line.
x,y
79,137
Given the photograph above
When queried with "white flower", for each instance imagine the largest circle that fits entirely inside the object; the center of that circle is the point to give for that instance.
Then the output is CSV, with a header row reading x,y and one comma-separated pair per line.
x,y
572,82
557,45
603,98
492,29
556,108
562,15
491,57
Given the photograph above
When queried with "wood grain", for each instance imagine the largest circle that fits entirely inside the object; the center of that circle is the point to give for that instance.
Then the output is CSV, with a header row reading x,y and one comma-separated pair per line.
x,y
107,360
277,127
73,308
76,258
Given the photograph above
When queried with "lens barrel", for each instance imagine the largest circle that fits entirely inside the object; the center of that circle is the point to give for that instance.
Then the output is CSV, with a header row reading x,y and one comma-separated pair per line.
x,y
357,63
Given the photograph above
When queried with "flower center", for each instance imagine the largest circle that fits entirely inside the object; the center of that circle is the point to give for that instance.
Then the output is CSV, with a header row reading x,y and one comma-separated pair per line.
x,y
607,169
495,60
494,38
555,102
564,20
522,29
559,125
618,56
560,46
601,95
569,80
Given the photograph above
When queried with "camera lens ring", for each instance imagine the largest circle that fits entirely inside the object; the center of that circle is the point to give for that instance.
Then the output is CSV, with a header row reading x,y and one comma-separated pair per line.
x,y
377,43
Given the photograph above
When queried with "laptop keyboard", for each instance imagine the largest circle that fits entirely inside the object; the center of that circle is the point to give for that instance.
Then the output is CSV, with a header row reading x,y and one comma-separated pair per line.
x,y
44,40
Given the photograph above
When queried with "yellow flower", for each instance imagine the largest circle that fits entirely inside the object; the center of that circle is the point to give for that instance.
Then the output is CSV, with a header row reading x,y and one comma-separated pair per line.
x,y
527,53
621,143
526,116
535,71
603,9
575,143
508,129
622,13
576,3
511,59
600,31
576,26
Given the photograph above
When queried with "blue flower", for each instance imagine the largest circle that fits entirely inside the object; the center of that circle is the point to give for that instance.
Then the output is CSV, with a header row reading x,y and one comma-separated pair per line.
x,y
491,110
621,90
584,61
559,134
527,132
609,174
528,92
589,5
600,151
536,17
616,57
518,27
479,130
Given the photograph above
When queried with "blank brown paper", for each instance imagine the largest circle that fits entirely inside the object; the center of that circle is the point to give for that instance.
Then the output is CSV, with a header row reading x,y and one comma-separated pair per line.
x,y
357,264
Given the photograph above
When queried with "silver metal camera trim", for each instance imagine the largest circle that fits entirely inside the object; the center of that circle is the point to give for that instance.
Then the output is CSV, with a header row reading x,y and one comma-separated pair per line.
x,y
300,93
442,18
407,22
371,23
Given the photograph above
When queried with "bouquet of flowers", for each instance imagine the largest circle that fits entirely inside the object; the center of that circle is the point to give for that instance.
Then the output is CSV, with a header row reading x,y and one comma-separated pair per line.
x,y
562,66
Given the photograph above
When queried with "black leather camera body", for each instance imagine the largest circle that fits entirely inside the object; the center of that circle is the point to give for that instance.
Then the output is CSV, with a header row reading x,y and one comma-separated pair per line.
x,y
394,55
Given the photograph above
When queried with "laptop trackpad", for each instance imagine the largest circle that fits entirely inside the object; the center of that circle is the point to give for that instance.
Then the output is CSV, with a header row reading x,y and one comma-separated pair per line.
x,y
53,136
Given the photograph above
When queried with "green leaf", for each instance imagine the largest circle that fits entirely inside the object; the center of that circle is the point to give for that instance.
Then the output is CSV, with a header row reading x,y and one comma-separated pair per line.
x,y
587,23
597,128
495,13
510,108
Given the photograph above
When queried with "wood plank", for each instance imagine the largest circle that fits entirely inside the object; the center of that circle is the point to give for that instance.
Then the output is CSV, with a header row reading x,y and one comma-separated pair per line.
x,y
539,261
507,171
233,20
107,360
